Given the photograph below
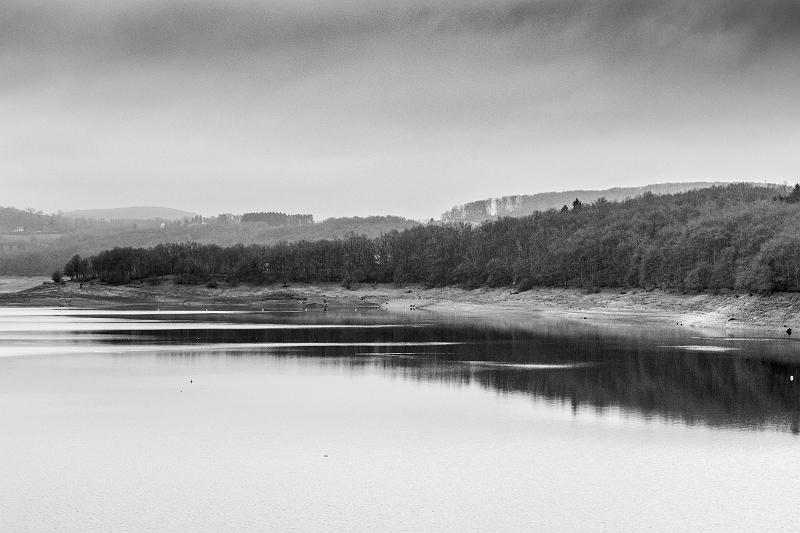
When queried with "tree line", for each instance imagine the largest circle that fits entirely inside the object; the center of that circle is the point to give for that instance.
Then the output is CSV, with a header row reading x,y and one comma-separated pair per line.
x,y
276,219
737,237
40,256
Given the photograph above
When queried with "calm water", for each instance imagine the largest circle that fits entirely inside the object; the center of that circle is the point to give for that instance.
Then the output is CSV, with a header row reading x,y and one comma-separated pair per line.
x,y
370,421
19,283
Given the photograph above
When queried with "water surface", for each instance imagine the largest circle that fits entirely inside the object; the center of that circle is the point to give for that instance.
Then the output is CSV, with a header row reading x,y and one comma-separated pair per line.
x,y
10,284
375,421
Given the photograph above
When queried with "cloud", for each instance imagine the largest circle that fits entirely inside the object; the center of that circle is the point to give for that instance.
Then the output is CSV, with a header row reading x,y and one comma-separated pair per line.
x,y
202,28
299,96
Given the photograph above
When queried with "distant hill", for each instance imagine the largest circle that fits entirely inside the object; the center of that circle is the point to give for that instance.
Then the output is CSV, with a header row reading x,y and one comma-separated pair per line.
x,y
21,255
131,213
523,205
30,221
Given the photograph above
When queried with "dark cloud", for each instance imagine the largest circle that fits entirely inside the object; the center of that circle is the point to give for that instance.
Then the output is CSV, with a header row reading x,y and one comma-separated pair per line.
x,y
201,27
625,28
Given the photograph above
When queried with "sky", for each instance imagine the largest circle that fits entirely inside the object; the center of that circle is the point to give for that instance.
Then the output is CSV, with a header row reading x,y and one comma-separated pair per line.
x,y
358,107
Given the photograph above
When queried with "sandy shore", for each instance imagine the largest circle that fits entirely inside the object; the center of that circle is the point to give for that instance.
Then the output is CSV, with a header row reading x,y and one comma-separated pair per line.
x,y
774,312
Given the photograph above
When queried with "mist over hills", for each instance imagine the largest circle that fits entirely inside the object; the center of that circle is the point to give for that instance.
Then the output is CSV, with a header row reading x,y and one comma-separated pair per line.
x,y
525,204
131,213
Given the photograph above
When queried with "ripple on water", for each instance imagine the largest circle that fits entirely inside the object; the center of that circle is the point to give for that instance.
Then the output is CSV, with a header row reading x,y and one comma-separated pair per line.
x,y
702,348
530,366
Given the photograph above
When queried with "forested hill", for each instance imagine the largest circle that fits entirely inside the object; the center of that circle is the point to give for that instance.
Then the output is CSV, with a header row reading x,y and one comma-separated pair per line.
x,y
27,254
523,205
736,237
14,220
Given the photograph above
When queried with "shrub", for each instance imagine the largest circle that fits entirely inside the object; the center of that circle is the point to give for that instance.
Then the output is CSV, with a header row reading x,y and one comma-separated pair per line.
x,y
56,277
525,284
498,274
755,277
467,274
698,278
114,277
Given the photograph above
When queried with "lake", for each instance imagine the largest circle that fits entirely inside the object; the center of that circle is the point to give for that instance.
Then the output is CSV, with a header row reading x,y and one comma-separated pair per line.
x,y
374,421
10,284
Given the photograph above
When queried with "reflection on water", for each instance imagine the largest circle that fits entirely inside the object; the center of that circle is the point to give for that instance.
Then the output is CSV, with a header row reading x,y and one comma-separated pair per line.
x,y
368,421
670,374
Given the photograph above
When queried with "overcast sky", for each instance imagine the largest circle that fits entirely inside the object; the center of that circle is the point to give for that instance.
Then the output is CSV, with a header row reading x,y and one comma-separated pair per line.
x,y
355,107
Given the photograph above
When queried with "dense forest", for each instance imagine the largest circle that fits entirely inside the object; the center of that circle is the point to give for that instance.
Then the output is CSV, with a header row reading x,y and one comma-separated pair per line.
x,y
740,237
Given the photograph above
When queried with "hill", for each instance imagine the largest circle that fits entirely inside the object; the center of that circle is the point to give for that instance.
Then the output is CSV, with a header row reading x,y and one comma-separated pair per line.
x,y
739,237
35,255
131,213
29,221
523,205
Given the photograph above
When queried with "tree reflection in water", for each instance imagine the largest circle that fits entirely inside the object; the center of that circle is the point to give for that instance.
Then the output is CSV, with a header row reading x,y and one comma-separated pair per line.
x,y
674,375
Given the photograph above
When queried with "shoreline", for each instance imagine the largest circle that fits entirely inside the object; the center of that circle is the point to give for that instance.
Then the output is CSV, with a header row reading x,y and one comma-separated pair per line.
x,y
773,313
